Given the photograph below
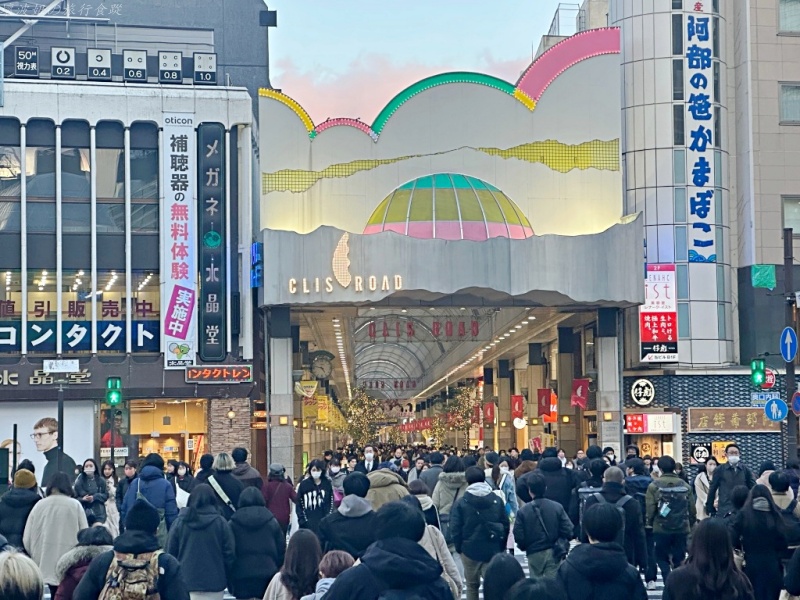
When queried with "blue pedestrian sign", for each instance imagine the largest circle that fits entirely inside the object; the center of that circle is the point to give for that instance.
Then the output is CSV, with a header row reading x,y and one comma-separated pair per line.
x,y
788,344
776,410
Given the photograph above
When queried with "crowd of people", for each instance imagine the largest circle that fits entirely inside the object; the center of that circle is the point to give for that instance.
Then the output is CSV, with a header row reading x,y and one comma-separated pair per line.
x,y
380,523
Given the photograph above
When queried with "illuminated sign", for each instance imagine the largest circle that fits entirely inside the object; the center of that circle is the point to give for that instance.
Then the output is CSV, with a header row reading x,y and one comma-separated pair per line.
x,y
658,316
220,374
657,423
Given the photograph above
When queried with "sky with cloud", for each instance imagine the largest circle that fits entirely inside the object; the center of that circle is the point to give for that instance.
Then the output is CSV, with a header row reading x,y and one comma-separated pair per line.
x,y
348,58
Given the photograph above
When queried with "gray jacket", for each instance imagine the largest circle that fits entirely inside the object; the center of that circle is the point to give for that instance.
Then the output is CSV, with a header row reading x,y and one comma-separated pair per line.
x,y
431,477
323,585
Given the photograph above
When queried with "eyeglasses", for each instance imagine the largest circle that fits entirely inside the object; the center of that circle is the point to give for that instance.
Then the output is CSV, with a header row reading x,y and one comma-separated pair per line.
x,y
38,436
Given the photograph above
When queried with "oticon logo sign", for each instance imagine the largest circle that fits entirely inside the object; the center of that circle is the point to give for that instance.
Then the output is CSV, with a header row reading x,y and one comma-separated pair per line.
x,y
178,121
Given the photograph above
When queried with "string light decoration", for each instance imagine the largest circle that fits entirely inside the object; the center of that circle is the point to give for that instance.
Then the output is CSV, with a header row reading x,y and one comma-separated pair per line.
x,y
462,410
363,415
438,429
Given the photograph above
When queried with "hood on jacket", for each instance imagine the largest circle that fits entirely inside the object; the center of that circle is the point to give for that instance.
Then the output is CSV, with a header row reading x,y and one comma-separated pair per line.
x,y
245,470
151,473
479,489
425,501
252,517
551,464
638,484
323,585
452,480
384,478
384,556
354,506
18,498
599,563
77,555
132,541
203,518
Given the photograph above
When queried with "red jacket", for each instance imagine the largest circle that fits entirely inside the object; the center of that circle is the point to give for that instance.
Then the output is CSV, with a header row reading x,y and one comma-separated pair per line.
x,y
278,494
72,567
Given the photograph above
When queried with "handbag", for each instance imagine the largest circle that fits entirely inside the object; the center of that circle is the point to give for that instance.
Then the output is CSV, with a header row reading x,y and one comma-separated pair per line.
x,y
560,546
181,497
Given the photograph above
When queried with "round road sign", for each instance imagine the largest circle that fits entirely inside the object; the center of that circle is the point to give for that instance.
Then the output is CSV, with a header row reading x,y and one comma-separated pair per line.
x,y
770,377
643,392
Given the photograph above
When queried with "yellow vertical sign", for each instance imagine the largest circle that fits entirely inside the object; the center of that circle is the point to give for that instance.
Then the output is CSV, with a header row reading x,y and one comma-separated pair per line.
x,y
322,410
718,451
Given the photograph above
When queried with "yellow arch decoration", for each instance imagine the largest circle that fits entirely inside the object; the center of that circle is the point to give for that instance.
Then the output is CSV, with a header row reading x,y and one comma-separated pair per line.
x,y
293,104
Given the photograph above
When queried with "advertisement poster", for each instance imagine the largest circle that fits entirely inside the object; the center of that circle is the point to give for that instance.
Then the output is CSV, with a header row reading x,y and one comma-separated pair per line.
x,y
37,436
658,316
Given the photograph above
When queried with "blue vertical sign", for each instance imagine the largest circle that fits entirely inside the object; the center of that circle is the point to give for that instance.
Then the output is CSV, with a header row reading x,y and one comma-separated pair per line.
x,y
700,132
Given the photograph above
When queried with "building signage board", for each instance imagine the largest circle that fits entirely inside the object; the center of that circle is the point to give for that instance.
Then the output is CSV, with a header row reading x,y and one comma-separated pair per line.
x,y
734,420
700,134
399,329
98,64
62,63
649,423
178,240
26,61
658,316
220,374
134,63
205,68
76,336
213,307
760,399
387,384
170,67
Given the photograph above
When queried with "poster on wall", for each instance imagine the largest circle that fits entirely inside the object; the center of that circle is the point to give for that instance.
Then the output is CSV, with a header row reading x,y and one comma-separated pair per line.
x,y
658,316
37,435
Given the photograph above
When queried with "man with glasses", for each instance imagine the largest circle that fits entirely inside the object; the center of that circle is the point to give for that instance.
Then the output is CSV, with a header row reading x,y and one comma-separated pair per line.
x,y
45,436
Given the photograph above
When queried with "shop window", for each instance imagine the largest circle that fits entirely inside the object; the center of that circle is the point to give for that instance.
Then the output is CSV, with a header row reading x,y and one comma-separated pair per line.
x,y
679,138
791,213
677,79
147,296
790,104
677,35
790,15
144,218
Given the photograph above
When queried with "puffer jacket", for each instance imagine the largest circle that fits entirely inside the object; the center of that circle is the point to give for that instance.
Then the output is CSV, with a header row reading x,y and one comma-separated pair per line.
x,y
450,485
385,486
156,490
97,488
560,481
71,568
478,523
15,506
260,547
233,489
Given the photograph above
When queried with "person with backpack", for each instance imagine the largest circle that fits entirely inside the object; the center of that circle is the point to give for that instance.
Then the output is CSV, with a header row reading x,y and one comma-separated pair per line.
x,y
560,481
671,513
727,477
631,536
759,529
396,565
600,570
203,543
539,525
585,489
636,484
136,566
151,485
478,527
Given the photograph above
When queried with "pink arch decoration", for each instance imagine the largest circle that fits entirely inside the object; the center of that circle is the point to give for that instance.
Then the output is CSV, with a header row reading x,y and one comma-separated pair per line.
x,y
544,70
344,121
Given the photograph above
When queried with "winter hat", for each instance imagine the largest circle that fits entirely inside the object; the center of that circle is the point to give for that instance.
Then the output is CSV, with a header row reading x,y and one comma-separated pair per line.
x,y
24,479
239,455
206,461
275,469
356,484
153,460
404,464
608,449
491,458
142,517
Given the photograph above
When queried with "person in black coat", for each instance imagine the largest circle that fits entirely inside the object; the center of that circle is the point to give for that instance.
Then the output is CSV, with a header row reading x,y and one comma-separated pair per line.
x,y
560,481
206,470
91,490
184,478
16,505
203,543
124,484
139,539
314,497
395,565
228,484
260,546
352,526
600,569
791,581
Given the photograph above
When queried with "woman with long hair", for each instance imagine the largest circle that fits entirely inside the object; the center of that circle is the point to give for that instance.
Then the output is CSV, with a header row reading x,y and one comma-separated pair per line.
x,y
112,513
300,571
314,497
709,573
759,527
53,527
203,543
702,483
92,491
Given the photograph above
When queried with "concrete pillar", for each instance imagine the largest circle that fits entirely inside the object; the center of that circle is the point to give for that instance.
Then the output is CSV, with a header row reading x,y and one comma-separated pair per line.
x,y
505,433
280,399
488,396
609,380
567,432
537,379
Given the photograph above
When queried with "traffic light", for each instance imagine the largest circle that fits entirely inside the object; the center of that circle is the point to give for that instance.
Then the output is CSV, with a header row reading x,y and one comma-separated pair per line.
x,y
758,371
113,391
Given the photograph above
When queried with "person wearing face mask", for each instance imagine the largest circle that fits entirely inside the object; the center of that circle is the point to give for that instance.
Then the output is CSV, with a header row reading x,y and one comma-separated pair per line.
x,y
184,478
503,478
702,483
562,456
336,475
370,462
727,477
92,491
610,456
314,497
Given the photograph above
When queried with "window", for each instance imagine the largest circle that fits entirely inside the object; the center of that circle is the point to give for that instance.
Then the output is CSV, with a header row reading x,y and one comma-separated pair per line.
x,y
791,213
721,313
716,83
677,4
715,36
684,325
680,205
677,79
790,15
677,35
681,244
679,160
682,272
790,104
678,125
715,7
717,129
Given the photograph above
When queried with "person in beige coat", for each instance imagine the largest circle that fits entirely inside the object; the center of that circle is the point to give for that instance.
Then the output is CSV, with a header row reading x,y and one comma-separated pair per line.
x,y
702,483
782,494
52,528
434,543
385,486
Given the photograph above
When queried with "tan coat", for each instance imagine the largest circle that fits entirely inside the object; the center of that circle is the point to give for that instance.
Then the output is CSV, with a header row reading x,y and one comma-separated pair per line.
x,y
434,543
276,590
385,486
51,531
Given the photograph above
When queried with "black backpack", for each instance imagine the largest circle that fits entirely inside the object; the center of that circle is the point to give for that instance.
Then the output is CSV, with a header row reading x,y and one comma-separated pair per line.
x,y
584,493
620,504
672,506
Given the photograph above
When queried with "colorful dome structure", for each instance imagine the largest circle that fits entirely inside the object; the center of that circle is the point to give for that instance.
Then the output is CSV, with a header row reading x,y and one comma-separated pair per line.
x,y
449,206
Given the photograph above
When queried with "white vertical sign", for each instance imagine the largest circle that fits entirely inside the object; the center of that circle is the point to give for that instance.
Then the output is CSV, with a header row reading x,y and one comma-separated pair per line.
x,y
178,240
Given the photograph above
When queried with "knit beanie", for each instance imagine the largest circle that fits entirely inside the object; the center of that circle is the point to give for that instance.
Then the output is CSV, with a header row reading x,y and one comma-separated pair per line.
x,y
24,479
142,517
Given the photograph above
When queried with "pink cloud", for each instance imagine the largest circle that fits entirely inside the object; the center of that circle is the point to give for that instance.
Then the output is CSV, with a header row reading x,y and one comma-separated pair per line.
x,y
369,83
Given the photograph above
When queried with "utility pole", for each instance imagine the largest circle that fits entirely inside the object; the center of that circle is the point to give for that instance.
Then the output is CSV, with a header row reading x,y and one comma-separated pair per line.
x,y
789,298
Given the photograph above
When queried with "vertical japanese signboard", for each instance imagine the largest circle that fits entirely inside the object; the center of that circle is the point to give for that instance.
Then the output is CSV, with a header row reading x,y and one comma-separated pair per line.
x,y
211,210
658,316
178,240
700,132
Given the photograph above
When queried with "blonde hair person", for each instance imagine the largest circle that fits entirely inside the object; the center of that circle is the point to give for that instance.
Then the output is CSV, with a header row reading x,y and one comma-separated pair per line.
x,y
223,462
20,578
226,487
